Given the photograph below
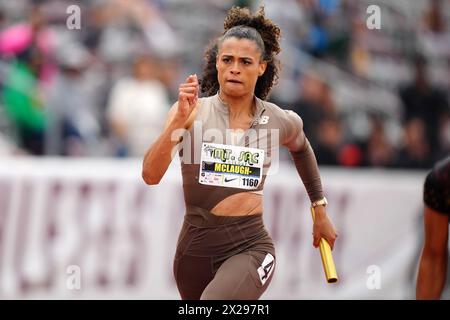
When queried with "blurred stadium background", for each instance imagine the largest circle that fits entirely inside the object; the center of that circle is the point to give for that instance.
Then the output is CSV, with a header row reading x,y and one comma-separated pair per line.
x,y
79,108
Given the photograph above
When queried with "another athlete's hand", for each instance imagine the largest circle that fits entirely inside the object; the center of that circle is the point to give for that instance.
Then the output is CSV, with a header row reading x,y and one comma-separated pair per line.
x,y
323,228
187,98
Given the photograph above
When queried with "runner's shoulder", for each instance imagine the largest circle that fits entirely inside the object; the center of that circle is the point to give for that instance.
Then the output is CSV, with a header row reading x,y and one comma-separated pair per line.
x,y
285,117
282,113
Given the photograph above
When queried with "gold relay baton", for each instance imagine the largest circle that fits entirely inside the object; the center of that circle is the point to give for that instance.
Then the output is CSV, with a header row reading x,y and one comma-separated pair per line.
x,y
327,257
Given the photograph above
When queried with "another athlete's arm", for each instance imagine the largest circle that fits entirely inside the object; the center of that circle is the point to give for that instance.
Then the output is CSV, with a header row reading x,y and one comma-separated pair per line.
x,y
159,156
433,262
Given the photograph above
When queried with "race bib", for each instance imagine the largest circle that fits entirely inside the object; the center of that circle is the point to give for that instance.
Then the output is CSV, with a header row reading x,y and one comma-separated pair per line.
x,y
231,166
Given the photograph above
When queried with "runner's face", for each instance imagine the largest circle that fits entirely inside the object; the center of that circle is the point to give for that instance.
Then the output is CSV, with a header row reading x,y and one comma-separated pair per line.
x,y
239,65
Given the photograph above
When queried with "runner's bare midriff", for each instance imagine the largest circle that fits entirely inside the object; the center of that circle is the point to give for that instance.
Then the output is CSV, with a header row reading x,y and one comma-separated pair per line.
x,y
239,204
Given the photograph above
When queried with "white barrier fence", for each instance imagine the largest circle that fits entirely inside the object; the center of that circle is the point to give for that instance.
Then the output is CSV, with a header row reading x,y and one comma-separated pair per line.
x,y
92,229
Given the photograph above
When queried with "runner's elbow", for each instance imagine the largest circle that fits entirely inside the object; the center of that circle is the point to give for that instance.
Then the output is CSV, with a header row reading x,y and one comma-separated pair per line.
x,y
150,178
435,252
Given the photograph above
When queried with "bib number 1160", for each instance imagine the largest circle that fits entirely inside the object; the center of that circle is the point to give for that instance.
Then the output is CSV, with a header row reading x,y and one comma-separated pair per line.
x,y
250,182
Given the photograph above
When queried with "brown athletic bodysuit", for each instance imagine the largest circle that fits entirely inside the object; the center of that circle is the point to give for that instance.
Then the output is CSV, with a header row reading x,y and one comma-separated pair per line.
x,y
232,257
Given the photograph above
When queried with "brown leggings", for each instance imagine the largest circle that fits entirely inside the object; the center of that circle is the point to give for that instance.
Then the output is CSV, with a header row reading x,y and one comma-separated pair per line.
x,y
221,258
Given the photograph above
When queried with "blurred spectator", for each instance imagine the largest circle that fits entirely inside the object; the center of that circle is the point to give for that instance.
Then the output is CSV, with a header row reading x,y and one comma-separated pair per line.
x,y
378,150
322,125
433,18
97,19
315,103
359,54
415,153
137,109
73,128
434,36
329,141
28,46
318,39
331,148
31,41
320,32
23,105
421,99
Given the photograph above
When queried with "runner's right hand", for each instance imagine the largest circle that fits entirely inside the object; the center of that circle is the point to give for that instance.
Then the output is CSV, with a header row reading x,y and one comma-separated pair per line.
x,y
187,98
